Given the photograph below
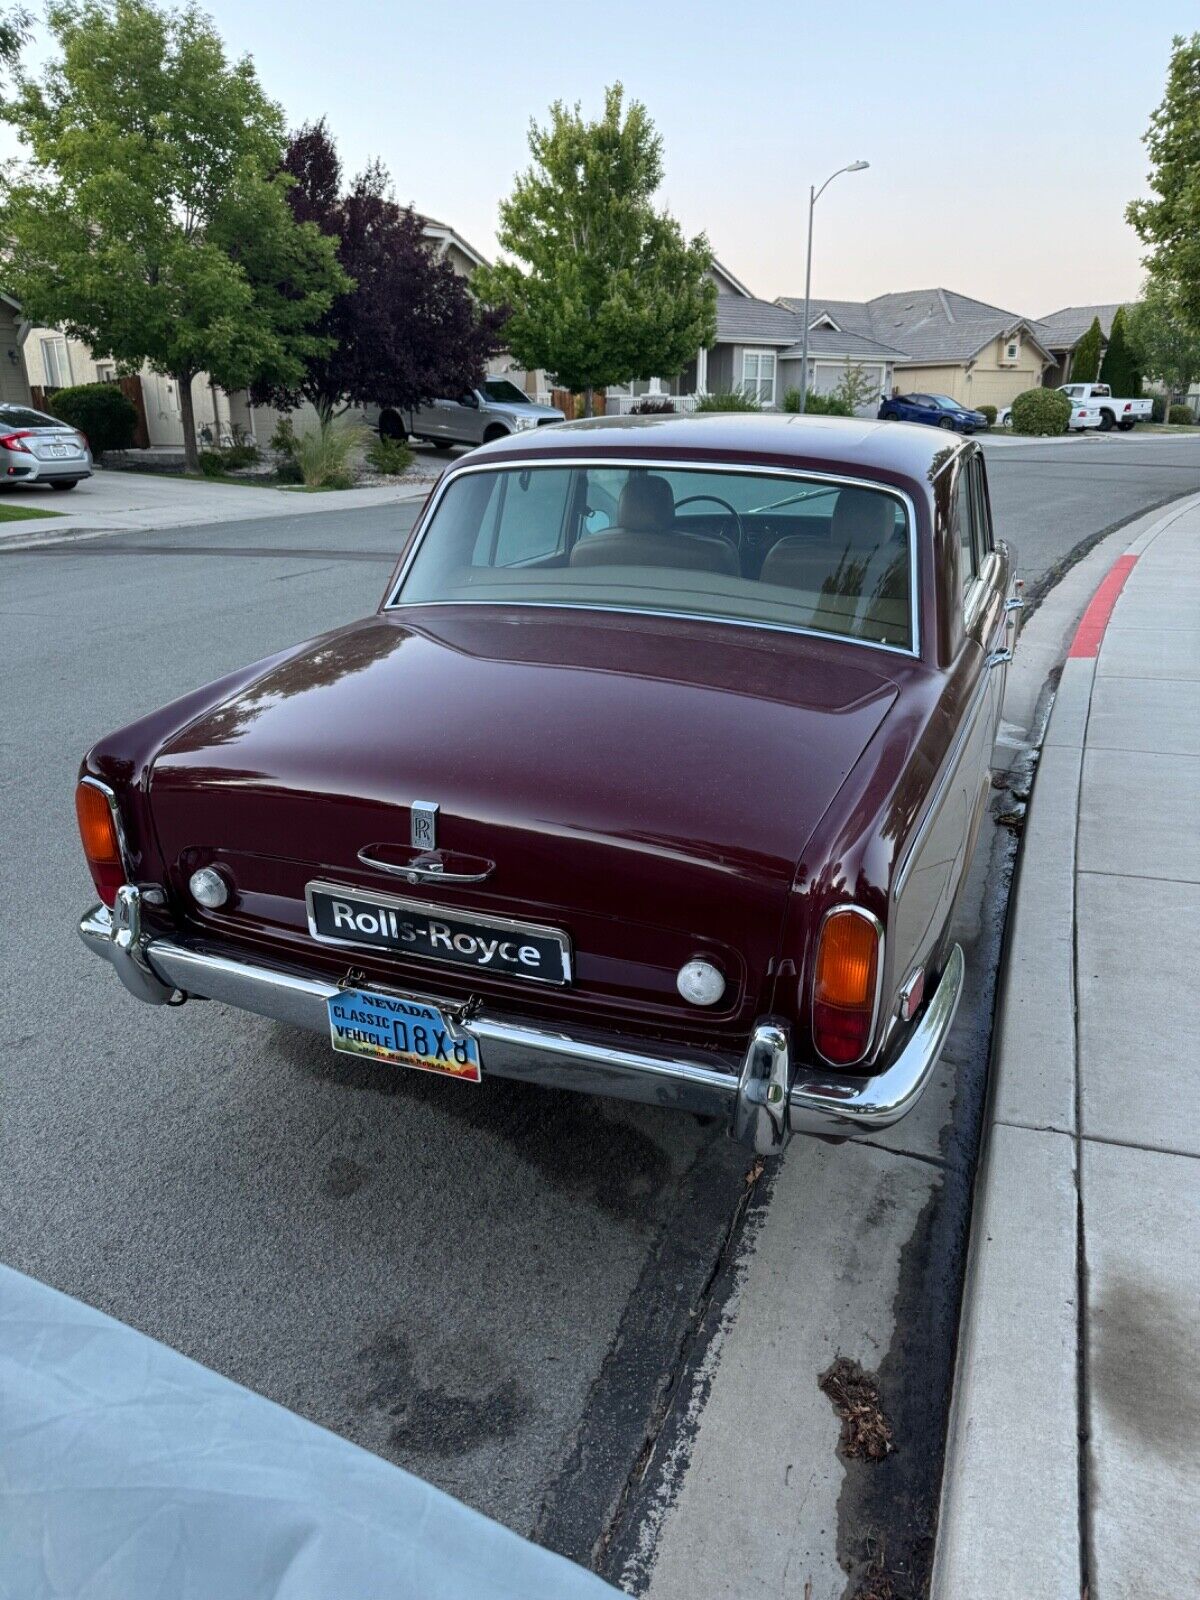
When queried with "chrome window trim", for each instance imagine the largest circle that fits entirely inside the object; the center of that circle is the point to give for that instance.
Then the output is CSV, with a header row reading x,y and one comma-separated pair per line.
x,y
948,768
881,950
115,812
455,913
840,480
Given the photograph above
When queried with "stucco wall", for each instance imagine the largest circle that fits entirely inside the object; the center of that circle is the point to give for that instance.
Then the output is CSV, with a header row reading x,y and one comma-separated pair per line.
x,y
987,382
14,386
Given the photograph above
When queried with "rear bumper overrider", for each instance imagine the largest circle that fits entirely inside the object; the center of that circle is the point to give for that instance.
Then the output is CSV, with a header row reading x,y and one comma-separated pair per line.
x,y
764,1099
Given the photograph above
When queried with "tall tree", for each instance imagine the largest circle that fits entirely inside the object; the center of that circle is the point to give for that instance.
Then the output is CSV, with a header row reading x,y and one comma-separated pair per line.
x,y
14,30
1119,368
1170,222
408,329
1085,363
1164,346
610,290
152,221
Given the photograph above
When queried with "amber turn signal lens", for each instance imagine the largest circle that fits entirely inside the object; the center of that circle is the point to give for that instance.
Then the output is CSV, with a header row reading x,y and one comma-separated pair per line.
x,y
846,961
101,842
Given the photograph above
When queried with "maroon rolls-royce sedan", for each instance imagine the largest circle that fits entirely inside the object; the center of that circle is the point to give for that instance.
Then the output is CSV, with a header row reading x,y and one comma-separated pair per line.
x,y
656,774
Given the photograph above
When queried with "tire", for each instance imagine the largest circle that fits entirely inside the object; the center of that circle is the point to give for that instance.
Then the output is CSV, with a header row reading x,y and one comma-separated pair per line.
x,y
442,444
1126,424
1107,422
495,432
946,423
391,425
70,483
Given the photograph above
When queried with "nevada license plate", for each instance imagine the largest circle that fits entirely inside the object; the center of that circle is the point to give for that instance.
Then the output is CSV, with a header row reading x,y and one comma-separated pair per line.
x,y
406,1033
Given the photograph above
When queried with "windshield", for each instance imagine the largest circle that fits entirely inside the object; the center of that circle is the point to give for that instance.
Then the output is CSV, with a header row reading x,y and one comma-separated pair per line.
x,y
502,389
780,550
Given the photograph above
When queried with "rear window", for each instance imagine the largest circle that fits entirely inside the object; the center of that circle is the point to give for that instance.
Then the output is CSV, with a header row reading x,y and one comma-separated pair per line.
x,y
781,551
22,417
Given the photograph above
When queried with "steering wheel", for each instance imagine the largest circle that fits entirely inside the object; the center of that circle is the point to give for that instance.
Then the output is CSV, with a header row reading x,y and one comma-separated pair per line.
x,y
740,541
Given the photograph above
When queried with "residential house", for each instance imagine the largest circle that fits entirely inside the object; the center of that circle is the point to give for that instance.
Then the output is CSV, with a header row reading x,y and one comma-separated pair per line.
x,y
1062,330
949,344
758,351
14,385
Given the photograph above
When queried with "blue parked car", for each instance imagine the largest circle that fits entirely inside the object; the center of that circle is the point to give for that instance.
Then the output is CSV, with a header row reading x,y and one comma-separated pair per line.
x,y
936,409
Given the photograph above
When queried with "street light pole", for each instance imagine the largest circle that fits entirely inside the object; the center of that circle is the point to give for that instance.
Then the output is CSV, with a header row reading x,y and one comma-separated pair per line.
x,y
813,196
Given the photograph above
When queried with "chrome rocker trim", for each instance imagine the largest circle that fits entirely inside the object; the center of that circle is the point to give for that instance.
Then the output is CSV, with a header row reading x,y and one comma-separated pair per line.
x,y
764,1103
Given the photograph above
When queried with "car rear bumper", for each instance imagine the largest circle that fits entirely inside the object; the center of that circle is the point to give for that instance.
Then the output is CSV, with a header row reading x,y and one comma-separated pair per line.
x,y
765,1096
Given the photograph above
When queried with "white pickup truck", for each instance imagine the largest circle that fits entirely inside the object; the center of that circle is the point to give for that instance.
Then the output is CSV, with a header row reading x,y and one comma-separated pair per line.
x,y
1093,406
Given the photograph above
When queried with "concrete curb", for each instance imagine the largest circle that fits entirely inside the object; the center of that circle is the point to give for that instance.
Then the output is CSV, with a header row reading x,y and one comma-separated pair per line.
x,y
1009,1521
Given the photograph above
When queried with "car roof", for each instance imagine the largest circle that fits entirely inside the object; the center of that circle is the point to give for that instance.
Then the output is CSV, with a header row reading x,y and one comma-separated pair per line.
x,y
743,438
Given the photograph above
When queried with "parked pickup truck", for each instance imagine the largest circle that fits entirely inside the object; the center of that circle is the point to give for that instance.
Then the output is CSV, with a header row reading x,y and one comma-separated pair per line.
x,y
493,411
1113,413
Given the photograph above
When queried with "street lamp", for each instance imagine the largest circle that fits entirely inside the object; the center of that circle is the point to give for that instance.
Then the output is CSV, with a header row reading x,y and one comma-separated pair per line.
x,y
813,196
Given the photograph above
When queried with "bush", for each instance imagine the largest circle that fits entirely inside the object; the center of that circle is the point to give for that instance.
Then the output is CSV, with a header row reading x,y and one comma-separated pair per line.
x,y
211,463
1040,411
325,454
1181,415
819,405
287,470
283,441
1158,408
728,400
244,454
391,457
989,412
653,405
100,411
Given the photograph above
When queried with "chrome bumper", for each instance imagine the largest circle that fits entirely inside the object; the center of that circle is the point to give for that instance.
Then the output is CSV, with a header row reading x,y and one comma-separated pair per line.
x,y
764,1103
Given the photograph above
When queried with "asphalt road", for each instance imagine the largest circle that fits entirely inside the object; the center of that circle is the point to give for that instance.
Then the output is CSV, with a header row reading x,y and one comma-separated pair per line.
x,y
490,1286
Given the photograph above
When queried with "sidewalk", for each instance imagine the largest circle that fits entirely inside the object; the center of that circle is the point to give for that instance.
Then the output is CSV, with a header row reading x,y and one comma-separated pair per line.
x,y
1071,1461
133,502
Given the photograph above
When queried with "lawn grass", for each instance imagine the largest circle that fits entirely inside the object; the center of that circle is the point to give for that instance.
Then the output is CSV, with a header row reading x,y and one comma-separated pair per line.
x,y
19,513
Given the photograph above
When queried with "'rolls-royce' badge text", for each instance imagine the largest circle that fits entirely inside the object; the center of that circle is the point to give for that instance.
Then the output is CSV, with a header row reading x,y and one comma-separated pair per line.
x,y
412,928
424,825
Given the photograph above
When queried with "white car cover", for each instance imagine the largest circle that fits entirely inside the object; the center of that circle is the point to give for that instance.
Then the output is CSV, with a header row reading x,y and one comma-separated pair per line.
x,y
129,1472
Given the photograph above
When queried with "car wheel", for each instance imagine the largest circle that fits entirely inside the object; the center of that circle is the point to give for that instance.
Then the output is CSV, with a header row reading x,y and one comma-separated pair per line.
x,y
945,423
391,425
1107,422
69,484
495,433
442,444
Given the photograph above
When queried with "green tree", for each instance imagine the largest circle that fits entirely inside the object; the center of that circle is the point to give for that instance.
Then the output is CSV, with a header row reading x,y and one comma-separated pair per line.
x,y
152,219
1119,368
610,290
1085,363
1163,346
14,31
1169,223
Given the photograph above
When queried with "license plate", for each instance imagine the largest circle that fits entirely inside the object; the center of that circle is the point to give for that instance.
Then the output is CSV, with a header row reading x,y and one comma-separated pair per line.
x,y
414,928
58,451
406,1033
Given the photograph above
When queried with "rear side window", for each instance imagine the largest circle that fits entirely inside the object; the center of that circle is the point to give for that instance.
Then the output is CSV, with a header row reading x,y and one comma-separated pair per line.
x,y
964,515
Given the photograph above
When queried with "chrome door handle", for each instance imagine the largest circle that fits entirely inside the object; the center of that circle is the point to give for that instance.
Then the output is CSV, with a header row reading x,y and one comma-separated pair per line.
x,y
1015,604
998,658
427,866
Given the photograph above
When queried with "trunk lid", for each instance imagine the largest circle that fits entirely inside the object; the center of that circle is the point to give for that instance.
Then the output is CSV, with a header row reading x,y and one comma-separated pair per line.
x,y
645,785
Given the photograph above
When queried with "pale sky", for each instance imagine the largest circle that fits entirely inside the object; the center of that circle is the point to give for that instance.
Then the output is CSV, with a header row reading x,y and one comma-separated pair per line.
x,y
1004,140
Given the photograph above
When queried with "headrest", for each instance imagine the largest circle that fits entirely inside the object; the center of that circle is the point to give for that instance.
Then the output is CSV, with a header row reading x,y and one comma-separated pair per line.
x,y
646,504
862,520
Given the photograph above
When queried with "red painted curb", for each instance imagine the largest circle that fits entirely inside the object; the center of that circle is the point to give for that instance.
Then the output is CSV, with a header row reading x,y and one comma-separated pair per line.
x,y
1090,631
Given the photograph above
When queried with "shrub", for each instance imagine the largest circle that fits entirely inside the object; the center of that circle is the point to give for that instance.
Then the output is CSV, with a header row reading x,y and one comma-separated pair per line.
x,y
653,405
728,400
243,454
1040,411
325,454
389,456
283,441
828,405
1158,408
1181,415
100,411
287,470
212,464
989,412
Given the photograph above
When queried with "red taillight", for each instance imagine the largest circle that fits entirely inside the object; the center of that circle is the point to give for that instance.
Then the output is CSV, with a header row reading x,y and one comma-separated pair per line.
x,y
846,985
95,807
12,441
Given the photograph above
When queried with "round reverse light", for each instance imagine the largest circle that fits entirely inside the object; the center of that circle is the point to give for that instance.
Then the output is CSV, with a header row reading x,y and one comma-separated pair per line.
x,y
700,983
208,888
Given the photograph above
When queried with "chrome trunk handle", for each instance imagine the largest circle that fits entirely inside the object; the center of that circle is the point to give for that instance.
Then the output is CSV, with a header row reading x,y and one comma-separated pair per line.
x,y
428,866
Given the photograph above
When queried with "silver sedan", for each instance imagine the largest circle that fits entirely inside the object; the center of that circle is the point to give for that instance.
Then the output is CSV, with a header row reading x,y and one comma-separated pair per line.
x,y
36,448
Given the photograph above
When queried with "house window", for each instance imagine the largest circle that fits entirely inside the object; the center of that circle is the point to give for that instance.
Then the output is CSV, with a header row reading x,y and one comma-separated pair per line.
x,y
758,375
105,372
1012,349
56,363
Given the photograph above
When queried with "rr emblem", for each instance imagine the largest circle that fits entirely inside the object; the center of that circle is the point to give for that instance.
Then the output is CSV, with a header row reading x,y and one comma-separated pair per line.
x,y
424,825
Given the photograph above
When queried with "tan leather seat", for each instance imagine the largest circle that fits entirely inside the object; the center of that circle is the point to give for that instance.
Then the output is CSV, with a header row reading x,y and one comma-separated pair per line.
x,y
645,535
